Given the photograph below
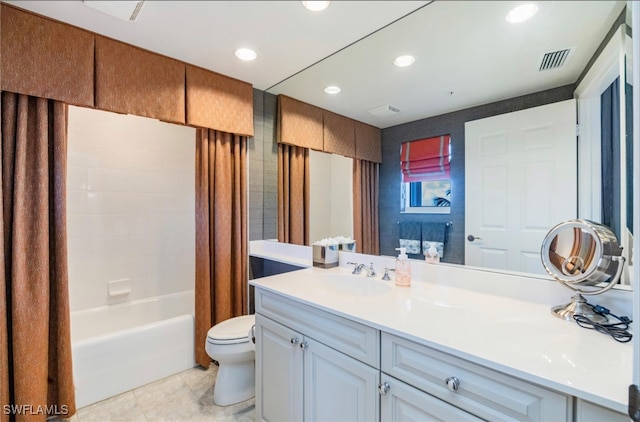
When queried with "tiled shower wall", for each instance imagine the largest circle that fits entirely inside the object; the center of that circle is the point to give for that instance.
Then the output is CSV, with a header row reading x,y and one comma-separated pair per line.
x,y
130,207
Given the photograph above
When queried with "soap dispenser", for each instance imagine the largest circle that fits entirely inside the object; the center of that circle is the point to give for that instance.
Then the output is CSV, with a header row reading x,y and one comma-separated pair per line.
x,y
403,269
432,256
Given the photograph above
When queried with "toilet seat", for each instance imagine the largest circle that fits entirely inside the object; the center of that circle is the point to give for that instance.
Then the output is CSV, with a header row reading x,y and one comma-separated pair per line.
x,y
231,331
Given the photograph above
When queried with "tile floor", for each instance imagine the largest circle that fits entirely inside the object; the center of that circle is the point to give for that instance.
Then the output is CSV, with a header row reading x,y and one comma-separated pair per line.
x,y
187,396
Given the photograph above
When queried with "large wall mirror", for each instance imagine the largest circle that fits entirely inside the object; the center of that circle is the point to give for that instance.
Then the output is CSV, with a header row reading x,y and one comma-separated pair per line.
x,y
331,196
481,60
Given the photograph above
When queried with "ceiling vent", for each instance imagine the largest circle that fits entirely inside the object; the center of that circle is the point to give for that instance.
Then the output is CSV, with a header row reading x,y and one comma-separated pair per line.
x,y
554,59
384,110
123,10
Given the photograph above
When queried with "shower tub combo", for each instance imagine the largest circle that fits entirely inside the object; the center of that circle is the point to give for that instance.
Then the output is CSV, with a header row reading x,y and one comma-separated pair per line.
x,y
120,347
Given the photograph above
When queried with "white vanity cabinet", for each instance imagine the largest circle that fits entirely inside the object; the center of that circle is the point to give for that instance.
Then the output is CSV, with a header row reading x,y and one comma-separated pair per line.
x,y
401,402
310,365
279,374
464,386
590,412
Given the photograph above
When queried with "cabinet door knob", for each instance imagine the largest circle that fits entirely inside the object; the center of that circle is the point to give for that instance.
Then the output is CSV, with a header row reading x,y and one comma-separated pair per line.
x,y
295,340
384,388
304,345
452,384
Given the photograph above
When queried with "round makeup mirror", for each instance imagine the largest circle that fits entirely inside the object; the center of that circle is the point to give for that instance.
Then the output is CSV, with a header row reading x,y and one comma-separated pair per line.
x,y
582,254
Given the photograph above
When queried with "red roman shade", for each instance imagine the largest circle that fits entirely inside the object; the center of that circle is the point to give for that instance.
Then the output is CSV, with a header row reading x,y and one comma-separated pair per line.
x,y
426,159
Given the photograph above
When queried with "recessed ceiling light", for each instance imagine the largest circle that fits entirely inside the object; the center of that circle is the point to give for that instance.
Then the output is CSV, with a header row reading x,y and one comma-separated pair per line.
x,y
246,54
332,89
316,6
522,12
403,61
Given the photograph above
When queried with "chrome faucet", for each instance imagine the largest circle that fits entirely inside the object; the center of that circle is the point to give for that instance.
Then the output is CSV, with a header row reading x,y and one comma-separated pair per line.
x,y
371,272
386,277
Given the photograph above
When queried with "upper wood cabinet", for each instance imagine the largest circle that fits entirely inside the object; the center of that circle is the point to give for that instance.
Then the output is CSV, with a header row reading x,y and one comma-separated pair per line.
x,y
339,134
135,81
45,58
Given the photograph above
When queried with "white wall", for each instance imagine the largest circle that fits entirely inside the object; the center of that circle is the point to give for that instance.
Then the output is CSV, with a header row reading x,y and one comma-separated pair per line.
x,y
130,207
331,191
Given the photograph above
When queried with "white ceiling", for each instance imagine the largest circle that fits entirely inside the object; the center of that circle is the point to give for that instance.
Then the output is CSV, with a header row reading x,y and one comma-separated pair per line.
x,y
464,47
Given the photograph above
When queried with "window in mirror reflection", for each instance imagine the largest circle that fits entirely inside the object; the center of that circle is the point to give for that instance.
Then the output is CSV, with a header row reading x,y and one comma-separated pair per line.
x,y
426,175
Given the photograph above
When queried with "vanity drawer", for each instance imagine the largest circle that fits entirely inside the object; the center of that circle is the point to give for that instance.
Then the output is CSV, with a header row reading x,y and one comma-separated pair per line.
x,y
483,392
351,338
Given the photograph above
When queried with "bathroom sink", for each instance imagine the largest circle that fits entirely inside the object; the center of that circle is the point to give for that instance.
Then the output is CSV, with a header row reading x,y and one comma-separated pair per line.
x,y
355,285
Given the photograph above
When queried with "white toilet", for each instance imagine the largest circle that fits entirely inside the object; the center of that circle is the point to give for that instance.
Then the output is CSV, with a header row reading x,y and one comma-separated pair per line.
x,y
229,343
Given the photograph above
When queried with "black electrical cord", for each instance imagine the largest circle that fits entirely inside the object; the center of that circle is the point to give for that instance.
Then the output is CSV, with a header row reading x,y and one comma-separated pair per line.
x,y
619,331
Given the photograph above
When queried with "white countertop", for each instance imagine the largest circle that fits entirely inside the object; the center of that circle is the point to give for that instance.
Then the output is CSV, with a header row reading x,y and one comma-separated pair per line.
x,y
509,334
286,253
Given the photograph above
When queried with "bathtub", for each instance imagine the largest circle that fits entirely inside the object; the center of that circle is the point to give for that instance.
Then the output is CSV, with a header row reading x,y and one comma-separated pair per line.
x,y
119,347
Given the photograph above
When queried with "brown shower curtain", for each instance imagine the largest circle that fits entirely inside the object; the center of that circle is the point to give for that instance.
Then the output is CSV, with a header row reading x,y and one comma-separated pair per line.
x,y
293,194
365,206
35,340
221,232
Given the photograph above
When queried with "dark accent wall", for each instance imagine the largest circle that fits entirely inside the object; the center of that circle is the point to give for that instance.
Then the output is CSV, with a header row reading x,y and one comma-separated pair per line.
x,y
261,267
453,124
263,169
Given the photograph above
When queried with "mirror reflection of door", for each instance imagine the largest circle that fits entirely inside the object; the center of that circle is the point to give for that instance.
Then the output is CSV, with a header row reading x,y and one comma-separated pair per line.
x,y
606,145
520,180
617,160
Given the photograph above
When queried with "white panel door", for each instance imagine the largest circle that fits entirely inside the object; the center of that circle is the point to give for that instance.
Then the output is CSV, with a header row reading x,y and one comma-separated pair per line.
x,y
279,372
520,180
338,387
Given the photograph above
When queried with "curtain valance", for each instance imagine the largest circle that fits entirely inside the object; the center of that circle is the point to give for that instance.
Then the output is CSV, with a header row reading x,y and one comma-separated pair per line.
x,y
45,58
49,59
426,159
300,124
307,126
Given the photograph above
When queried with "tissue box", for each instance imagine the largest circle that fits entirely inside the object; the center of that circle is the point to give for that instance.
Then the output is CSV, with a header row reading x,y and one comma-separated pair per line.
x,y
325,256
347,247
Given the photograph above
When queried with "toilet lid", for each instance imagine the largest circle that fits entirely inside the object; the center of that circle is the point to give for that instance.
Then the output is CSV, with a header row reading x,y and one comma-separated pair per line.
x,y
232,329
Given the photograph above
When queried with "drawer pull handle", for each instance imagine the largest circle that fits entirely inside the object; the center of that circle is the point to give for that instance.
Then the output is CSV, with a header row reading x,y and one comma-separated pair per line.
x,y
384,388
304,345
295,340
452,383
